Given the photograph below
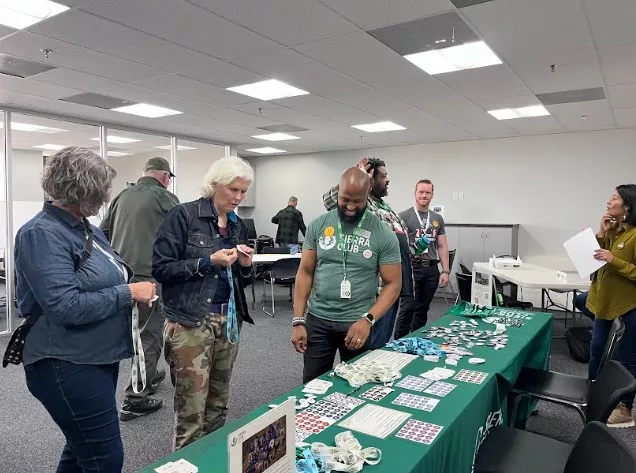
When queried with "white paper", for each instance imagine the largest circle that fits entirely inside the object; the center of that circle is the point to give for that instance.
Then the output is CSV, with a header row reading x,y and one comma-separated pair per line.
x,y
267,443
375,420
395,359
481,292
580,249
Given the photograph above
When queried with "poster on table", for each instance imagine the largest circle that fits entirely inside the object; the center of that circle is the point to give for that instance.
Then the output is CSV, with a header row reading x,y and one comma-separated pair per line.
x,y
481,293
267,444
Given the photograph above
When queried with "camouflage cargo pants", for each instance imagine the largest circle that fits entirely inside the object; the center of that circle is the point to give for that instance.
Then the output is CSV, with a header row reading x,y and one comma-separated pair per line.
x,y
201,360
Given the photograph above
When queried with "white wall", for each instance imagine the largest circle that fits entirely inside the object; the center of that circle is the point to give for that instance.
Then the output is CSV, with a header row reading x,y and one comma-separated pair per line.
x,y
552,185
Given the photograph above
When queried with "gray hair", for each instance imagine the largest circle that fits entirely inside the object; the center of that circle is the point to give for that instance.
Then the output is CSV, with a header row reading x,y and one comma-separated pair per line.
x,y
78,176
293,199
224,171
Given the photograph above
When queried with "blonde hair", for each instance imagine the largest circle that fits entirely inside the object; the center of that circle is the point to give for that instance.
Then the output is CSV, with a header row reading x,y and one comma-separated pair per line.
x,y
224,171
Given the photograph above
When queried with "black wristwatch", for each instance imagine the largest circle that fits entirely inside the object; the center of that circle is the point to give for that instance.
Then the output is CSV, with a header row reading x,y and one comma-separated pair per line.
x,y
369,318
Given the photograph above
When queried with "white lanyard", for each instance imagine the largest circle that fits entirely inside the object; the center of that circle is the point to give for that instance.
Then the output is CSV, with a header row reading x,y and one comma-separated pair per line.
x,y
139,358
428,219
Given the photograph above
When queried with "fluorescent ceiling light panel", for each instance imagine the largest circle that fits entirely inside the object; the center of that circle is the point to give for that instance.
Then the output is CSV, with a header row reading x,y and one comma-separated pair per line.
x,y
179,147
17,126
276,137
266,150
146,110
379,127
51,147
117,154
522,112
20,14
456,58
268,90
118,139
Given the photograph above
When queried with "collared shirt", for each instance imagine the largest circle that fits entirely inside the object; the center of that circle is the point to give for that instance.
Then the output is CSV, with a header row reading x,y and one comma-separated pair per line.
x,y
290,222
82,316
613,289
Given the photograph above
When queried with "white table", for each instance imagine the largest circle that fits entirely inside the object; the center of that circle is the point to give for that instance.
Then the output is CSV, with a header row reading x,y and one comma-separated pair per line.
x,y
268,258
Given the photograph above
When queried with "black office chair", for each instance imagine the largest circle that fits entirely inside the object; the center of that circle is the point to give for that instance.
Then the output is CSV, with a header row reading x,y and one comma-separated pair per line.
x,y
283,272
276,250
592,400
597,450
465,286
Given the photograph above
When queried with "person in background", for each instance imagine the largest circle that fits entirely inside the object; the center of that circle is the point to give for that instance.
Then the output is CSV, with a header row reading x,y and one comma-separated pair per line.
x,y
290,222
379,182
203,264
422,221
74,288
344,253
613,290
130,225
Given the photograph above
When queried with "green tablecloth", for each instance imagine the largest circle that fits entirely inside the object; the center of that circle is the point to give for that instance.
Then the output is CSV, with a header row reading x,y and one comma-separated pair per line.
x,y
466,413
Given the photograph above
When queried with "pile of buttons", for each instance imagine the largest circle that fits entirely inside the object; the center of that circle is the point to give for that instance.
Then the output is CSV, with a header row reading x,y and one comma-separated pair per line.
x,y
465,333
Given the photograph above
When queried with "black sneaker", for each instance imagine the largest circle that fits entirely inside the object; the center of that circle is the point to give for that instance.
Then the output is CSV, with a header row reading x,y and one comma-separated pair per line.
x,y
130,410
160,375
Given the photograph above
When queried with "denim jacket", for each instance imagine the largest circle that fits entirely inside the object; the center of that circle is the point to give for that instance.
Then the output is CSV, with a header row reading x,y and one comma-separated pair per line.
x,y
82,316
182,249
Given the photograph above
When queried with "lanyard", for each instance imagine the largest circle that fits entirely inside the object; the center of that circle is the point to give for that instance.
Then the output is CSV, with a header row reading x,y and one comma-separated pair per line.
x,y
428,219
341,237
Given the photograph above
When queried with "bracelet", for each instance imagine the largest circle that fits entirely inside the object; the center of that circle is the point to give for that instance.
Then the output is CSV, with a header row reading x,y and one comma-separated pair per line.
x,y
446,271
298,321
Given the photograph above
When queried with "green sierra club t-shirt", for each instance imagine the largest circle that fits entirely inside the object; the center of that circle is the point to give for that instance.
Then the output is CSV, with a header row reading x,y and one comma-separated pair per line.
x,y
374,245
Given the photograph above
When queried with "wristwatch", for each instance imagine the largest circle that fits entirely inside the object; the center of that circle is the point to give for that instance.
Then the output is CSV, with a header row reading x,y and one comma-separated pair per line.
x,y
369,318
446,271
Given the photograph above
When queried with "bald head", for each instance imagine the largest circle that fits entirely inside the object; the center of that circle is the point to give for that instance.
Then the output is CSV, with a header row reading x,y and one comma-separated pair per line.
x,y
353,191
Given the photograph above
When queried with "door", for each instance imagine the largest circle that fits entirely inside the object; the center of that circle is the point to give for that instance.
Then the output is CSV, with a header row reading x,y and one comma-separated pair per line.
x,y
498,241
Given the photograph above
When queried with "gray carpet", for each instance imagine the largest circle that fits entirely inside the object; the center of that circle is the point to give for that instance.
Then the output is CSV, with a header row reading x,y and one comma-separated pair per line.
x,y
267,366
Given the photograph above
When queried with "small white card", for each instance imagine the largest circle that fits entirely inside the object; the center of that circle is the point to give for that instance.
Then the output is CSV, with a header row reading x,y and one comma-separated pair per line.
x,y
345,289
375,420
317,386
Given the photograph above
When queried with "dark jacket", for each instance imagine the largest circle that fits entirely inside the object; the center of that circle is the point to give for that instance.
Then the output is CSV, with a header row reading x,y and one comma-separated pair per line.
x,y
133,219
80,315
185,240
289,221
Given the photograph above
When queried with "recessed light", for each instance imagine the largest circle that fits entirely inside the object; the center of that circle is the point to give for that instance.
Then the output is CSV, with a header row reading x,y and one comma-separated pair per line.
x,y
266,150
268,90
379,127
51,147
179,147
456,58
20,14
522,112
146,110
117,154
118,139
276,137
17,126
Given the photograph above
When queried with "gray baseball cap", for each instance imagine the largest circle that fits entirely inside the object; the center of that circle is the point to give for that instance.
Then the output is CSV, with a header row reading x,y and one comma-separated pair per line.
x,y
158,164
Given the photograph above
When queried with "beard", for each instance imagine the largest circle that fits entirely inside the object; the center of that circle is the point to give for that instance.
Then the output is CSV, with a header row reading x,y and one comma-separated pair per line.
x,y
350,219
379,190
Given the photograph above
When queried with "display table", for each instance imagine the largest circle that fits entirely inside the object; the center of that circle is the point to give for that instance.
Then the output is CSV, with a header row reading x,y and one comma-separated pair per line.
x,y
466,414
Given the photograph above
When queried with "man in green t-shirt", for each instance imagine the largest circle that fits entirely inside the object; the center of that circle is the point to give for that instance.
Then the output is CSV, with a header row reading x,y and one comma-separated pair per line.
x,y
343,253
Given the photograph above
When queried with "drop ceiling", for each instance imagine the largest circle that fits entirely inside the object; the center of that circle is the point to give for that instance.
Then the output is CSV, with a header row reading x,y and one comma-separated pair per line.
x,y
183,54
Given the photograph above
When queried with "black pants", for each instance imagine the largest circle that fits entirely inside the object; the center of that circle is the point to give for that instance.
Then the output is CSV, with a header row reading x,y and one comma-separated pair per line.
x,y
324,338
413,313
81,401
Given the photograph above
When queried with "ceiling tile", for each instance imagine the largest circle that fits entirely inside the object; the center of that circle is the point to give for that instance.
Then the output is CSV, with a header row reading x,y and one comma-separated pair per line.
x,y
612,22
16,99
535,125
5,30
369,14
287,21
121,41
186,24
322,107
223,74
626,117
526,29
78,80
584,116
509,102
579,70
619,64
486,82
184,87
572,96
70,56
33,87
475,120
622,96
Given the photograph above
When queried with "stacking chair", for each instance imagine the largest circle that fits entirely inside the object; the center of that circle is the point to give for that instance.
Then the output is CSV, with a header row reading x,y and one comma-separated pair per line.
x,y
597,450
282,272
464,286
451,259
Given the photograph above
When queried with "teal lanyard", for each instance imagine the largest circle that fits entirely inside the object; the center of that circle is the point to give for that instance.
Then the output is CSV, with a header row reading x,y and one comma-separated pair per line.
x,y
341,239
232,321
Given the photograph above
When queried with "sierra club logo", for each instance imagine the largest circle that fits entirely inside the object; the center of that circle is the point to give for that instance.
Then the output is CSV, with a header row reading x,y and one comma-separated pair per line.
x,y
328,241
494,419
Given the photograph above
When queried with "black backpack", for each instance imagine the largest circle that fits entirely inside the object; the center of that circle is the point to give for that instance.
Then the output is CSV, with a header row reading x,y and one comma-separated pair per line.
x,y
578,340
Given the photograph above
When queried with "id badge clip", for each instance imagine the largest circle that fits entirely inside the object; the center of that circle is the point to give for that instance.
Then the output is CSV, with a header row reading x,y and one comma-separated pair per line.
x,y
345,289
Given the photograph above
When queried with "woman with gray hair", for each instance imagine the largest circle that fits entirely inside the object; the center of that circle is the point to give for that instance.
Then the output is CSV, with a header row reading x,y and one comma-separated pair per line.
x,y
72,289
201,260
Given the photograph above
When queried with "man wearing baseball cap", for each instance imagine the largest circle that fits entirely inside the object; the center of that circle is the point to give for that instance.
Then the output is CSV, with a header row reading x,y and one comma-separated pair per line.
x,y
130,225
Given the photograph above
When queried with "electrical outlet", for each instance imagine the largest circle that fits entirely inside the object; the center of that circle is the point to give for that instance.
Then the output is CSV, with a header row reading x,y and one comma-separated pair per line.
x,y
454,195
461,195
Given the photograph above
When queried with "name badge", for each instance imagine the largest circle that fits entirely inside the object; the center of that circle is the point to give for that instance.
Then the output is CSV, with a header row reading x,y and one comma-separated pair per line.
x,y
345,289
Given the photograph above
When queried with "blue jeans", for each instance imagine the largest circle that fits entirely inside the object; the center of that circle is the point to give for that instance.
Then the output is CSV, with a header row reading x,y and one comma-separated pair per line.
x,y
81,401
580,302
383,328
626,351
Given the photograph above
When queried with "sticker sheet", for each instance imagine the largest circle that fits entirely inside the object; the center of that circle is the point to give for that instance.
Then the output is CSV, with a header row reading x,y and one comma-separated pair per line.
x,y
414,383
469,376
414,401
440,388
420,432
376,393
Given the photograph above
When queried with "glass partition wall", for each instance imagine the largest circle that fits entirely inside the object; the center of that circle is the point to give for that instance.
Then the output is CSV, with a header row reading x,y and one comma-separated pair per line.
x,y
29,139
